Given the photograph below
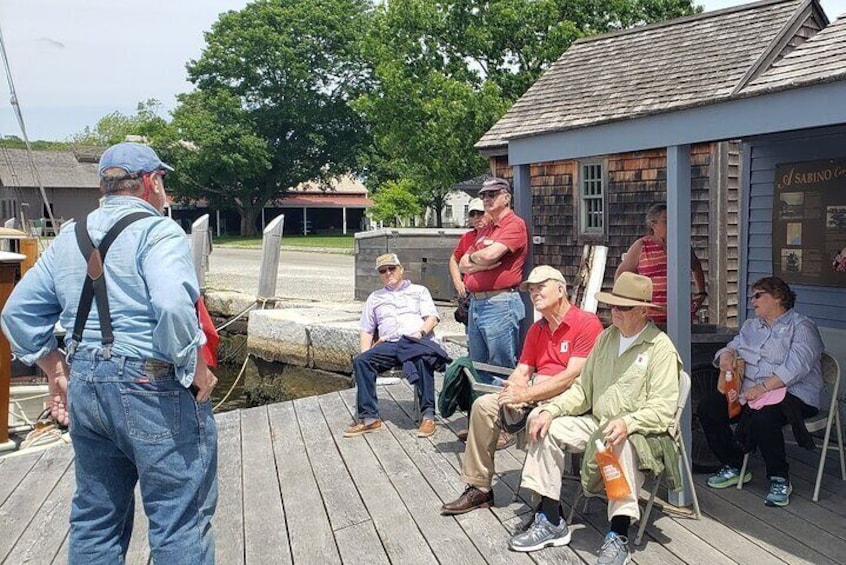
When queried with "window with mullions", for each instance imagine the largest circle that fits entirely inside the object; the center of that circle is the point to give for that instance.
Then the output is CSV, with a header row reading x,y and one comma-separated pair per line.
x,y
592,199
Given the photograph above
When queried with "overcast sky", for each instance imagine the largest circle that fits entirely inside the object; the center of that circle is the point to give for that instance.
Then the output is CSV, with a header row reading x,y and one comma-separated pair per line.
x,y
73,62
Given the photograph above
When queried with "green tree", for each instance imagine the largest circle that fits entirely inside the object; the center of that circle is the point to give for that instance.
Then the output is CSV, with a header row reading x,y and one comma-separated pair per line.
x,y
395,201
270,109
115,127
15,142
446,72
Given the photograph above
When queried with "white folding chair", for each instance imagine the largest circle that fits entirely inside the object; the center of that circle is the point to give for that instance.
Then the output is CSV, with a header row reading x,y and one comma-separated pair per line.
x,y
822,421
675,432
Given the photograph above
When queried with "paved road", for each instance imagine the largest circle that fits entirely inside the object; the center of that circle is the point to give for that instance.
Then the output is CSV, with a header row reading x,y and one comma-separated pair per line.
x,y
303,275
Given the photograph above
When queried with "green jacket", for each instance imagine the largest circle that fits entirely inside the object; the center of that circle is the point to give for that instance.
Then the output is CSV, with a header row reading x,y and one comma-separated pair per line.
x,y
457,392
641,386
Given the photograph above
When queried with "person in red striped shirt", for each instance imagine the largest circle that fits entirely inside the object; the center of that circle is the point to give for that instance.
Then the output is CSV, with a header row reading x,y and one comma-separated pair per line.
x,y
648,257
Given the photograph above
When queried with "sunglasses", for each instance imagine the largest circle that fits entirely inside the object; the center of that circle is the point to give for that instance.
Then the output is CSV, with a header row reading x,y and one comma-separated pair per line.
x,y
621,308
384,270
492,194
758,294
475,214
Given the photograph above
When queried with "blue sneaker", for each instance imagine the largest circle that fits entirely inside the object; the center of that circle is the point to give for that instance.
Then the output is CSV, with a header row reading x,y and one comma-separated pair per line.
x,y
541,534
779,494
614,551
728,477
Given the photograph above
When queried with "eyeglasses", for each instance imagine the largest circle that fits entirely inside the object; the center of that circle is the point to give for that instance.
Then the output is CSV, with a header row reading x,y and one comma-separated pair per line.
x,y
385,270
621,308
758,294
492,194
475,214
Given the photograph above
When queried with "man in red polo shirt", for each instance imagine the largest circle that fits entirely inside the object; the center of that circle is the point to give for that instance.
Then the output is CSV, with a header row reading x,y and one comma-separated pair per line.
x,y
477,219
493,269
556,349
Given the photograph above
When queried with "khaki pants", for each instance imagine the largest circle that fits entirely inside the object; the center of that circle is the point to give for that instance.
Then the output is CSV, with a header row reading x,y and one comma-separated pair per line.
x,y
477,469
545,462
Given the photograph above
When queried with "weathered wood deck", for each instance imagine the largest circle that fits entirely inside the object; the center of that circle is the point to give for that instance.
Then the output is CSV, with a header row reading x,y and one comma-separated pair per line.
x,y
293,490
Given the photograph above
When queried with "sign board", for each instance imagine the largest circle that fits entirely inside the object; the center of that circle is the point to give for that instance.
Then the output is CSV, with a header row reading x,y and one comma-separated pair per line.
x,y
809,222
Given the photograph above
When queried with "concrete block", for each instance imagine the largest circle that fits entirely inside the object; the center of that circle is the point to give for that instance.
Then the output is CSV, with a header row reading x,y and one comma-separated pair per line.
x,y
283,335
333,345
226,304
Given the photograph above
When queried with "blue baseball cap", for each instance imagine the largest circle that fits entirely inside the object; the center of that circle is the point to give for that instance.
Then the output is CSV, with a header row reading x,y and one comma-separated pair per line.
x,y
134,158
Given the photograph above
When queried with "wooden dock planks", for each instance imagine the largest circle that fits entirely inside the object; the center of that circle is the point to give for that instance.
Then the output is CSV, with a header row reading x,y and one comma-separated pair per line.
x,y
293,490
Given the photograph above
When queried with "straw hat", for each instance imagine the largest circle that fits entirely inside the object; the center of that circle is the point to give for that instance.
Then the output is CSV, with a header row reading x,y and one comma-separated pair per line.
x,y
629,289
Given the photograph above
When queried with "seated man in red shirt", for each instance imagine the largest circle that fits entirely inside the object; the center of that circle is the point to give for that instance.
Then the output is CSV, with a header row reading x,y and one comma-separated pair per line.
x,y
556,348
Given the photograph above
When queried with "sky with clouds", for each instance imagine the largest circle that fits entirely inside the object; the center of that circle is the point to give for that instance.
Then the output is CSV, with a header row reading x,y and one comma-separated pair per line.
x,y
73,62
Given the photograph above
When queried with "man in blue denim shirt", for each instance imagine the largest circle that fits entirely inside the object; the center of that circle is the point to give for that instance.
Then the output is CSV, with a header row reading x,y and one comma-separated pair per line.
x,y
139,409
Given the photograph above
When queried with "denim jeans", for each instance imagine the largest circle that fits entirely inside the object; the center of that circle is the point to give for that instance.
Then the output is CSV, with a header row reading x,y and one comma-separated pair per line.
x,y
493,331
367,367
132,422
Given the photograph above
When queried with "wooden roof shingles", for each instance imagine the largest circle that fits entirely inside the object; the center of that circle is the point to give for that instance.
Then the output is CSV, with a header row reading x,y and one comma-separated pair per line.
x,y
671,65
57,169
819,60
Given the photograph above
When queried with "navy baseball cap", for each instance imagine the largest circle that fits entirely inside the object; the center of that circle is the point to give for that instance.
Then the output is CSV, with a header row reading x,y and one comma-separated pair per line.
x,y
134,158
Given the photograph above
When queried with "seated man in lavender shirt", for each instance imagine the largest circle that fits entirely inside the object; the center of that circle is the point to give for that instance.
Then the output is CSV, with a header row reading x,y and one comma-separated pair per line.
x,y
404,315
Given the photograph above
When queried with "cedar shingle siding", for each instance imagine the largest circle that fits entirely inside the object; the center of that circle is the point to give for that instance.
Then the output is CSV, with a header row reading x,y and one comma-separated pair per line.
x,y
635,181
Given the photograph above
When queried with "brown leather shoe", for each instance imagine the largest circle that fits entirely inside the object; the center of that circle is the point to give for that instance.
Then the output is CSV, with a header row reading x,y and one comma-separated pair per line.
x,y
360,428
463,434
472,499
505,440
427,428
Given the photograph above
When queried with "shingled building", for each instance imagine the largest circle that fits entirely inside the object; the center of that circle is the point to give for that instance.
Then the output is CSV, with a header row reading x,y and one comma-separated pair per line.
x,y
602,199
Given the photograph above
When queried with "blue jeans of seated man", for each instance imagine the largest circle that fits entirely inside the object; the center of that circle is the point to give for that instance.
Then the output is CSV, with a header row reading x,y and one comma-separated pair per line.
x,y
367,367
493,331
132,422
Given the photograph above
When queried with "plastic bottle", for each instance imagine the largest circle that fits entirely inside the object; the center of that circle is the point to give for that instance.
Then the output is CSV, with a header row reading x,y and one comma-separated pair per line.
x,y
732,384
616,485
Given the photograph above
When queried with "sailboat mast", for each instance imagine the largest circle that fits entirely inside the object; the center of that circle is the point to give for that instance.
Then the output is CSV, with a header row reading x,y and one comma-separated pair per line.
x,y
13,99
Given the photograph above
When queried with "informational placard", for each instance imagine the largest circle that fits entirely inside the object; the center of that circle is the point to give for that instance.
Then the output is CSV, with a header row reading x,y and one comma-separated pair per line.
x,y
809,222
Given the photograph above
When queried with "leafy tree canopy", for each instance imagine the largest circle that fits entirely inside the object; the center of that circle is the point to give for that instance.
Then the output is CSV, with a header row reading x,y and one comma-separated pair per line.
x,y
15,142
445,72
115,127
394,202
271,108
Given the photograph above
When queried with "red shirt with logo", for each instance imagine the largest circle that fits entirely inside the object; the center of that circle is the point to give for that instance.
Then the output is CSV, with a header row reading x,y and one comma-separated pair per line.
x,y
549,352
510,231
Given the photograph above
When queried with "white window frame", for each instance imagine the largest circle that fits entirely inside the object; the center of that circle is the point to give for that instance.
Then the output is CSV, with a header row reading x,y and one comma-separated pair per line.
x,y
593,194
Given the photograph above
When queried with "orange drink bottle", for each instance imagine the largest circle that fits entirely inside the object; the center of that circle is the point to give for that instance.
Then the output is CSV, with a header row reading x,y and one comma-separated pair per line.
x,y
732,380
616,485
732,383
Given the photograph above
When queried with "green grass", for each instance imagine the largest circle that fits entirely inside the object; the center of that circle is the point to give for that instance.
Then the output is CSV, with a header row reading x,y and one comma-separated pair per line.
x,y
326,241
